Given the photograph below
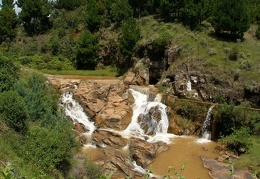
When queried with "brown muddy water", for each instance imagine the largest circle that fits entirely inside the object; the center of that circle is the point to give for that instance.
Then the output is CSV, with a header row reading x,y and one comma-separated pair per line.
x,y
184,151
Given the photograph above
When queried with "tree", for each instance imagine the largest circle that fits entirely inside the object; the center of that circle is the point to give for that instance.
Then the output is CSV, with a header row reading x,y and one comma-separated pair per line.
x,y
93,18
8,74
230,16
130,35
35,16
8,3
170,9
195,11
87,57
8,22
13,110
69,4
121,11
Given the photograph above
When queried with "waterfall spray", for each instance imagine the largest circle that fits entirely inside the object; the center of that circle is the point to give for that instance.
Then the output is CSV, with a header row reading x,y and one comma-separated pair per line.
x,y
74,110
206,132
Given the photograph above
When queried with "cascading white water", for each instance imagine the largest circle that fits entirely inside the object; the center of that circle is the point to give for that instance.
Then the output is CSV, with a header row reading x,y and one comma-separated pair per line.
x,y
206,133
159,127
74,110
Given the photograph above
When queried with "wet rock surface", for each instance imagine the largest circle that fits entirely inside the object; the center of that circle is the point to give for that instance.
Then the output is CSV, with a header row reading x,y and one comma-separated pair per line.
x,y
218,170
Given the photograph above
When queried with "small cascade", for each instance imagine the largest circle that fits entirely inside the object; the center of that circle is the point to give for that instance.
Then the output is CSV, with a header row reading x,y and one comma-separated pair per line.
x,y
188,85
149,119
206,132
74,110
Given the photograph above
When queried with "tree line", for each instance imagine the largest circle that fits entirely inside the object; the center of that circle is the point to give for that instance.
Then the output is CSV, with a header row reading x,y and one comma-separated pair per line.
x,y
229,18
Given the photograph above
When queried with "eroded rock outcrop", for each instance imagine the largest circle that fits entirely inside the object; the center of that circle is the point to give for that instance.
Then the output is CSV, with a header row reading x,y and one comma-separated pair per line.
x,y
219,170
144,152
107,102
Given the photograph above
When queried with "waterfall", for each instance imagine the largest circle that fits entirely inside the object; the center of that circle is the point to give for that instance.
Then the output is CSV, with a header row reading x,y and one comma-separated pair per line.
x,y
188,85
149,119
74,110
206,132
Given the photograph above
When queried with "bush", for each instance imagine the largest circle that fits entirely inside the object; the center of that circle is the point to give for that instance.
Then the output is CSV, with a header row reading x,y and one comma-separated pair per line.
x,y
233,54
229,118
8,73
239,140
255,123
39,97
13,110
50,148
258,32
41,62
190,111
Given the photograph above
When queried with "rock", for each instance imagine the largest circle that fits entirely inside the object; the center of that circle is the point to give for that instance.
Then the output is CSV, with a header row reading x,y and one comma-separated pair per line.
x,y
79,128
139,77
173,53
119,163
129,78
220,170
144,152
100,138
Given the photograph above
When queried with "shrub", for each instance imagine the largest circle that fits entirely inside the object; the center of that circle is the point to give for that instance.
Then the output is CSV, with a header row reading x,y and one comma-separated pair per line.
x,y
8,73
255,123
190,111
239,140
233,54
13,110
258,32
49,148
229,118
39,97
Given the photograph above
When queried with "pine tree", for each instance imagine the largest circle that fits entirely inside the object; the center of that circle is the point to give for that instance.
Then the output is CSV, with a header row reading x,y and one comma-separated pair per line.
x,y
93,18
8,21
87,57
35,16
230,16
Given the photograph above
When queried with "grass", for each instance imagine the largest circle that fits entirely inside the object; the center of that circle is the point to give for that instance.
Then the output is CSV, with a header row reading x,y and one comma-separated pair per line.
x,y
100,72
252,158
203,45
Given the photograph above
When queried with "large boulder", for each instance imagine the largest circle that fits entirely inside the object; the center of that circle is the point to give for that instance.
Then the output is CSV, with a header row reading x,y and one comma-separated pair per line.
x,y
144,153
119,164
101,138
108,103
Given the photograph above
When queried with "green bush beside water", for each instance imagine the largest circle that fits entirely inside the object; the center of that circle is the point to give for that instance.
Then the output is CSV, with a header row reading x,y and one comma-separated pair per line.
x,y
36,140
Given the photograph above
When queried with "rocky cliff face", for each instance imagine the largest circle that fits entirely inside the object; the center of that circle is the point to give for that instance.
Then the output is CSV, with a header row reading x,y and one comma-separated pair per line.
x,y
167,68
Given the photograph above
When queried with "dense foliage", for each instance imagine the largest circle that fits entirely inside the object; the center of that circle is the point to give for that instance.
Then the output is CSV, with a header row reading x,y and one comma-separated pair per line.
x,y
8,22
8,73
129,37
87,57
230,16
13,111
35,16
32,126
